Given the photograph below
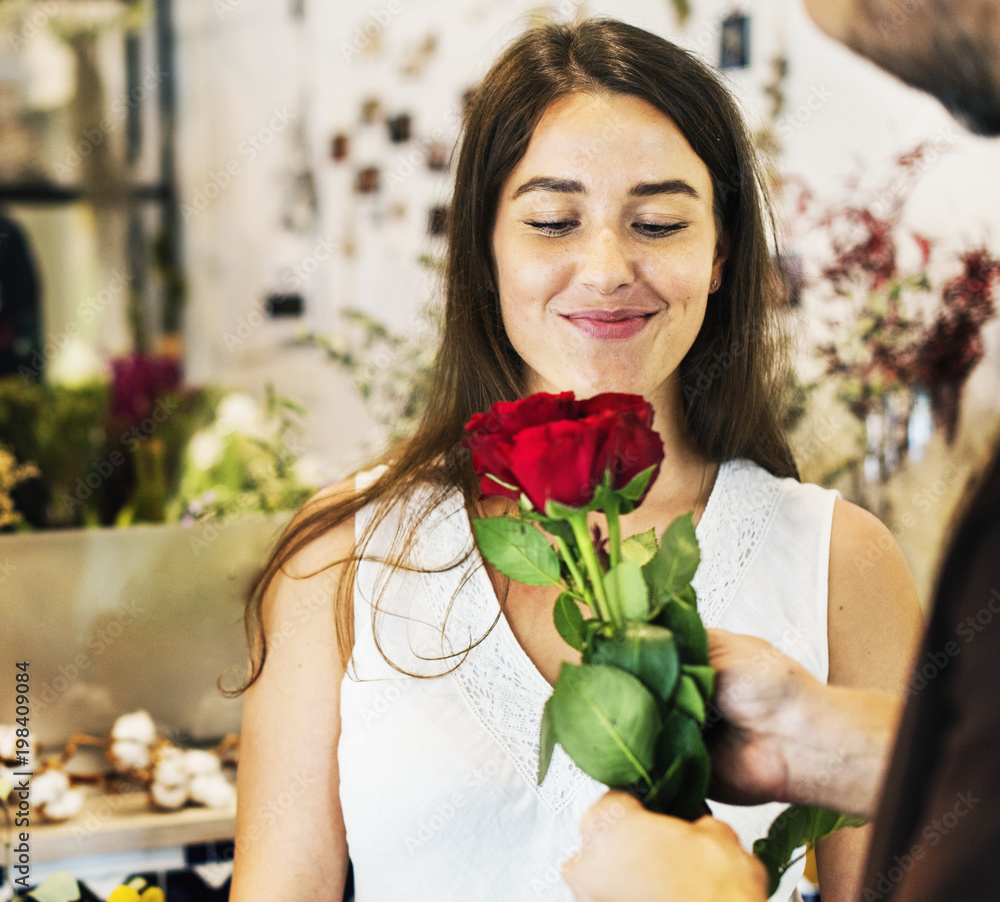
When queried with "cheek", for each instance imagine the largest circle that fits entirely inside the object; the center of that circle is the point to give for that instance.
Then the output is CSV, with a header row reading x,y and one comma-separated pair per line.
x,y
683,276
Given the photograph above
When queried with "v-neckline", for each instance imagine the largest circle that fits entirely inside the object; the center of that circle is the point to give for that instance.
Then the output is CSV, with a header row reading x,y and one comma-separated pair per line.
x,y
507,634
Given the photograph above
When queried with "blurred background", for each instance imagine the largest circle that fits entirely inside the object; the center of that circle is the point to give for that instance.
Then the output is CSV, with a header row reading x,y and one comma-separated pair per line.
x,y
221,230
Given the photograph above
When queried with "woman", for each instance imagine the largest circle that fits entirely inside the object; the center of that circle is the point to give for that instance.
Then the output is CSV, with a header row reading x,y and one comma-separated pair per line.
x,y
608,232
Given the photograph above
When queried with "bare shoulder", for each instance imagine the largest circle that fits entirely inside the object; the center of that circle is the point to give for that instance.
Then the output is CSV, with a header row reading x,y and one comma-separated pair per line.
x,y
330,544
874,614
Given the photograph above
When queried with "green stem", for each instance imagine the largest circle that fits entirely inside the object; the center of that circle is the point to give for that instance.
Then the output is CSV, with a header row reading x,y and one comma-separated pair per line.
x,y
579,583
614,534
589,556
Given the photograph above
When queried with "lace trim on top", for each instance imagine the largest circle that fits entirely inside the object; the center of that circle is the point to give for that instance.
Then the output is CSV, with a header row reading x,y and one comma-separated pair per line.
x,y
730,533
500,683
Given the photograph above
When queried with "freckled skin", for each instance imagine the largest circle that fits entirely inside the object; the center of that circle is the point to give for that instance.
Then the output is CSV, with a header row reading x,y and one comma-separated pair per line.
x,y
611,250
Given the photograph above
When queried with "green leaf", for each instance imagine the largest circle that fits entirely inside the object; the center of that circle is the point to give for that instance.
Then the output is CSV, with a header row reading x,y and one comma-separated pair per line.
x,y
546,741
60,887
682,758
637,486
677,558
796,826
569,621
689,700
644,650
689,631
517,550
703,676
627,590
607,722
640,547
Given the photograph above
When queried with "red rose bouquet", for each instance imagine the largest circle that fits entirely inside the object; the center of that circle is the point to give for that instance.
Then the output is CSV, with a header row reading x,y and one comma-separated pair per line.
x,y
631,714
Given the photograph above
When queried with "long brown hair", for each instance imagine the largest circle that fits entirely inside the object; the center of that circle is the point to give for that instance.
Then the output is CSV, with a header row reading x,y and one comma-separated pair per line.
x,y
730,378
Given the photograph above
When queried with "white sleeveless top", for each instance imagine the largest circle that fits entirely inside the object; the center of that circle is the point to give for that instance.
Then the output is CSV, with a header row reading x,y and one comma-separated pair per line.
x,y
438,776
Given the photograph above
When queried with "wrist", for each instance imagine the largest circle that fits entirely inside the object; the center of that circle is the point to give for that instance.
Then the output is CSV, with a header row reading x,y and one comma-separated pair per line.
x,y
839,756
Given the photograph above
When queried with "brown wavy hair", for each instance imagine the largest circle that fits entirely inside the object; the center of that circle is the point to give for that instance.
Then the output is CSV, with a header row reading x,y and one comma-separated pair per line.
x,y
731,376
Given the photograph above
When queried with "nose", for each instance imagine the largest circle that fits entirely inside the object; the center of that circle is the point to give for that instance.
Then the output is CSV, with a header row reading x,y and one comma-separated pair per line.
x,y
606,264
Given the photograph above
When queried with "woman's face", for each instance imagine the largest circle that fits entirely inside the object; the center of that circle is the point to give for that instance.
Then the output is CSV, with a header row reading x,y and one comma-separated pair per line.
x,y
605,249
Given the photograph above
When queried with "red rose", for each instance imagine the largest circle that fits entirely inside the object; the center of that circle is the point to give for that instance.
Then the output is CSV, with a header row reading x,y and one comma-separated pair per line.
x,y
553,447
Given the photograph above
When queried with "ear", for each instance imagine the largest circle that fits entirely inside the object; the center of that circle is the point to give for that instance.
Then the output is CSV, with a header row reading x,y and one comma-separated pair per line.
x,y
722,247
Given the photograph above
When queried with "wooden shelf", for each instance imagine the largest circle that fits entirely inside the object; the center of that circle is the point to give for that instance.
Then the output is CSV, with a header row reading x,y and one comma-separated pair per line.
x,y
112,823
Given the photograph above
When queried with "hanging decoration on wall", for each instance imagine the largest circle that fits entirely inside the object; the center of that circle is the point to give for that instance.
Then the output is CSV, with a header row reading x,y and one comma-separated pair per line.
x,y
416,58
735,42
340,147
437,221
682,11
400,128
437,156
367,181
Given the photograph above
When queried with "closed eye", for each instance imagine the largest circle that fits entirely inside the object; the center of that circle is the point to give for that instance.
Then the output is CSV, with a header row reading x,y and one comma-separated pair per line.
x,y
563,226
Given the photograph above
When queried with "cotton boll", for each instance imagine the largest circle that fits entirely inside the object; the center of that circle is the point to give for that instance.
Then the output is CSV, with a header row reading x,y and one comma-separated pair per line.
x,y
170,770
65,807
137,726
213,790
200,763
168,796
129,755
48,787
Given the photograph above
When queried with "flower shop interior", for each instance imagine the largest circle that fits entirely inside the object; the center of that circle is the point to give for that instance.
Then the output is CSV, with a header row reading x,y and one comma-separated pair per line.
x,y
223,231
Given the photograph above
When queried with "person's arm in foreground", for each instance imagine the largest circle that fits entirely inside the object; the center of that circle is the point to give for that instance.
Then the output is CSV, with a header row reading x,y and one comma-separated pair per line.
x,y
787,737
630,853
875,626
290,838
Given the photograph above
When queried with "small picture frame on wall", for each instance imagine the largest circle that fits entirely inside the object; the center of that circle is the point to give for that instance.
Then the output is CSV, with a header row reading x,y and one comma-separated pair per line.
x,y
734,49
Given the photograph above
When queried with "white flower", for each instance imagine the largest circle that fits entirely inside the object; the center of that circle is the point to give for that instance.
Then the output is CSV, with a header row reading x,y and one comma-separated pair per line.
x,y
48,787
205,450
137,726
241,414
213,790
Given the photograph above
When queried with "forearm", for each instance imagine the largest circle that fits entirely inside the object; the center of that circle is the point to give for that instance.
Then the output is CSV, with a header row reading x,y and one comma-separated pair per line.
x,y
838,742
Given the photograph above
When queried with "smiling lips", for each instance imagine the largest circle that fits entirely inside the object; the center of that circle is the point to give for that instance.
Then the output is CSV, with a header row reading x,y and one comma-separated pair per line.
x,y
611,324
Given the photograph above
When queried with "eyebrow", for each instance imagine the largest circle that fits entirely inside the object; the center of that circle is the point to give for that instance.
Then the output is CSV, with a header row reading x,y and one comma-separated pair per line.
x,y
640,189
